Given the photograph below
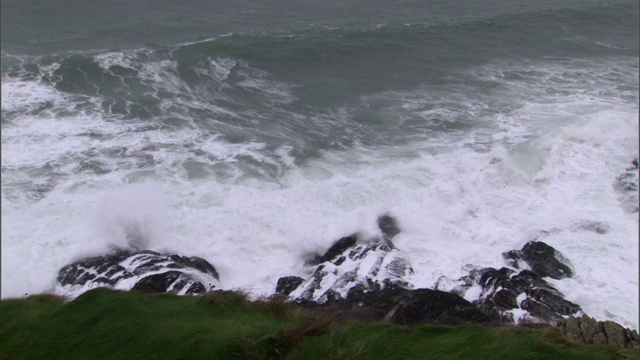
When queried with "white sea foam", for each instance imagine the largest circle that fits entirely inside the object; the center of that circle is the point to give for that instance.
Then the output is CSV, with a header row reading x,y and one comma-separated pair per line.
x,y
131,217
26,95
261,82
222,67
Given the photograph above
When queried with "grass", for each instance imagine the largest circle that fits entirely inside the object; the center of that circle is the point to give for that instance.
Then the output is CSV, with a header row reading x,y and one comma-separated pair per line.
x,y
385,341
106,324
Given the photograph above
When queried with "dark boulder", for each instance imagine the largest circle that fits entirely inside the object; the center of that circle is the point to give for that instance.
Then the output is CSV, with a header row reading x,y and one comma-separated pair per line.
x,y
504,290
143,270
543,259
88,270
161,282
505,299
403,306
548,305
427,305
287,284
338,248
388,226
552,299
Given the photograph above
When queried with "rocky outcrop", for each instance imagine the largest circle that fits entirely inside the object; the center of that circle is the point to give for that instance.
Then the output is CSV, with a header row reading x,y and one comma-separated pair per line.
x,y
352,262
144,270
287,284
543,259
407,306
371,273
589,331
400,306
365,279
626,185
517,293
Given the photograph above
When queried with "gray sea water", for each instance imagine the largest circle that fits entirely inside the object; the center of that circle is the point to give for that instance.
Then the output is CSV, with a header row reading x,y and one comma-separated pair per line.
x,y
252,133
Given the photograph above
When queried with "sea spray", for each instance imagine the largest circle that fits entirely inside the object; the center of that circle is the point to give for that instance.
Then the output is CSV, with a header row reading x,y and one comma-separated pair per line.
x,y
132,217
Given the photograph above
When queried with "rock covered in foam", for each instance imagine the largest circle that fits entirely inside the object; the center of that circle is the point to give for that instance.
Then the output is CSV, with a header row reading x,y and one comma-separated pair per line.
x,y
287,284
352,262
626,185
507,295
144,270
543,259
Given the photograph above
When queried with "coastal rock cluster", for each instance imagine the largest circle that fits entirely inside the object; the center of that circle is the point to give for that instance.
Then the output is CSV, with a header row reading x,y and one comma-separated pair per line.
x,y
369,273
352,263
519,292
367,279
364,279
146,271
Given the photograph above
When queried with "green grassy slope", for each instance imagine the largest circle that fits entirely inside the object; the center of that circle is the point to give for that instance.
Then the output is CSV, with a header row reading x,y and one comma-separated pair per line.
x,y
105,324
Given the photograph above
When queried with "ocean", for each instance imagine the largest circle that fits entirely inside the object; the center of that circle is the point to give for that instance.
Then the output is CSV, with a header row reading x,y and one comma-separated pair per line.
x,y
253,134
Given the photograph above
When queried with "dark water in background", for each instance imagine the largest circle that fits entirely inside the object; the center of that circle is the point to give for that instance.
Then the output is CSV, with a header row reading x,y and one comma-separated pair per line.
x,y
43,27
305,61
245,113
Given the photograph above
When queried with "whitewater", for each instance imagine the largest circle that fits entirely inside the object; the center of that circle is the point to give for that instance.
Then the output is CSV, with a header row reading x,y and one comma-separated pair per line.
x,y
233,161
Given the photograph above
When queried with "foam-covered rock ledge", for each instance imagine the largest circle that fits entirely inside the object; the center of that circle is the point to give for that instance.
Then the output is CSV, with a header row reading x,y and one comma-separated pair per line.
x,y
352,262
626,185
146,271
365,279
372,273
519,292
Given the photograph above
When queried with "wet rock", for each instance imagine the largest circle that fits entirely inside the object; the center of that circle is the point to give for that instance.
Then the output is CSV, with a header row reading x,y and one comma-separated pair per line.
x,y
548,305
143,270
540,311
398,305
527,279
87,270
338,248
504,292
353,262
626,185
543,259
505,299
552,299
170,281
491,279
287,284
389,226
427,305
